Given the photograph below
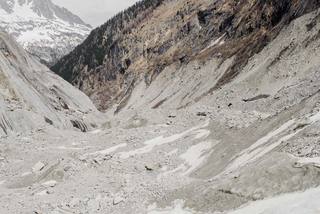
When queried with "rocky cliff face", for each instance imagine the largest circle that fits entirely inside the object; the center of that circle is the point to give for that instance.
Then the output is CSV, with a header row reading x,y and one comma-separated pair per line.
x,y
44,29
138,44
31,96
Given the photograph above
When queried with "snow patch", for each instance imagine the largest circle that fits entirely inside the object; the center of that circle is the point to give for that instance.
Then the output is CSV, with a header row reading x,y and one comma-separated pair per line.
x,y
26,174
218,41
159,141
178,208
51,183
42,193
181,168
150,145
294,203
69,148
109,150
202,133
95,131
257,150
194,156
315,118
261,147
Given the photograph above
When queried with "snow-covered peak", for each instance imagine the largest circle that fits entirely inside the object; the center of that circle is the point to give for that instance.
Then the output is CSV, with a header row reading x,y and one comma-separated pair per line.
x,y
14,10
42,28
37,9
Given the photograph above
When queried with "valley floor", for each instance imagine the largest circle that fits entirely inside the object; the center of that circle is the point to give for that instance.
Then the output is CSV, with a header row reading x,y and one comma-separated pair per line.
x,y
158,168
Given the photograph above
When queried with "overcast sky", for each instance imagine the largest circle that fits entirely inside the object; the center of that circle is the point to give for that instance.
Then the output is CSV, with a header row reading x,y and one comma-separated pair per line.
x,y
95,12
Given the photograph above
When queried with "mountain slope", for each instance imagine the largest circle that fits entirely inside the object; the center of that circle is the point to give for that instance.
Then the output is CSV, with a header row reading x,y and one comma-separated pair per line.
x,y
42,28
31,96
138,44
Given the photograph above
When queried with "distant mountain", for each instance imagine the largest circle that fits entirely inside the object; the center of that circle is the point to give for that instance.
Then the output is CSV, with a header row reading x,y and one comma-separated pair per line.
x,y
44,29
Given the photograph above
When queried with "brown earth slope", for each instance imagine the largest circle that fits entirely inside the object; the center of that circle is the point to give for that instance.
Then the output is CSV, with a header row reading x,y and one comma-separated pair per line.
x,y
139,43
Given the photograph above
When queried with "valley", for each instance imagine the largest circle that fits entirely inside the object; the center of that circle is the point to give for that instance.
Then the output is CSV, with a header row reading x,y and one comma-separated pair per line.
x,y
230,126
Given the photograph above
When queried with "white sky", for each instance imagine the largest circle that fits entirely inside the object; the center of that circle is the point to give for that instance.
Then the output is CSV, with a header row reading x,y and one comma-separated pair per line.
x,y
95,12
